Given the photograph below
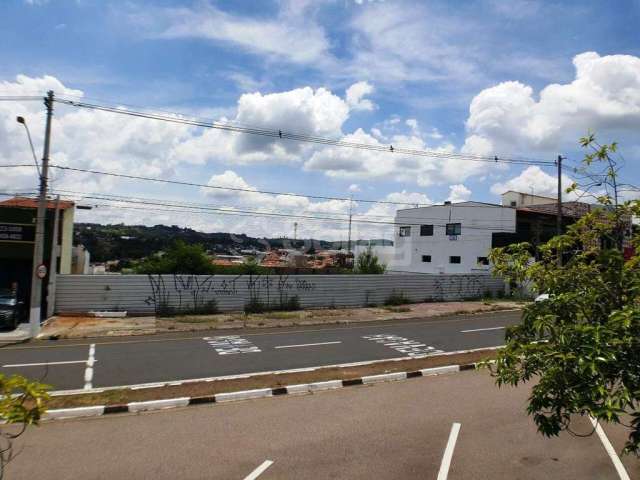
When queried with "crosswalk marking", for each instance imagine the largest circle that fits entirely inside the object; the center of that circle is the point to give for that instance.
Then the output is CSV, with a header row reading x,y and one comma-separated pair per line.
x,y
231,345
411,348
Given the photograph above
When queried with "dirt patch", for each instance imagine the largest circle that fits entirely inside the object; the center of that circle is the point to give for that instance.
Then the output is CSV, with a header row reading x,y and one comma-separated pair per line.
x,y
197,389
80,327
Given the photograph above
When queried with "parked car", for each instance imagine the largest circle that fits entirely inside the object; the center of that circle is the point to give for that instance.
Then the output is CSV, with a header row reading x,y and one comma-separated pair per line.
x,y
10,309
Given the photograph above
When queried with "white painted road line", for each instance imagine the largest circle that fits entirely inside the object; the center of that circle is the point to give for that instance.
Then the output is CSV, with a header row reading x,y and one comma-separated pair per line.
x,y
482,329
307,345
448,452
88,372
258,471
622,472
17,365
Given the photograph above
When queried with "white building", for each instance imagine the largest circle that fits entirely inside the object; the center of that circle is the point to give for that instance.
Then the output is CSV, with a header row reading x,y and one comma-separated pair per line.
x,y
449,238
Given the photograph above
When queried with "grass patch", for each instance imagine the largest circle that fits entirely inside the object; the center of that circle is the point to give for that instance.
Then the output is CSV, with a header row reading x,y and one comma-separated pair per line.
x,y
401,309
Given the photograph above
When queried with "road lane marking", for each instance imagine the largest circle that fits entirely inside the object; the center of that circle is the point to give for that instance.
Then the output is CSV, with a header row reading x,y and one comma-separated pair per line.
x,y
411,348
231,344
88,372
259,471
482,329
622,472
448,452
307,344
427,322
42,364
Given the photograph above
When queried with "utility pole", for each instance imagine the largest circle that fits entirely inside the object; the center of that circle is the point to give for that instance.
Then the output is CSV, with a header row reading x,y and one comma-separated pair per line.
x,y
559,219
53,261
350,215
39,270
559,215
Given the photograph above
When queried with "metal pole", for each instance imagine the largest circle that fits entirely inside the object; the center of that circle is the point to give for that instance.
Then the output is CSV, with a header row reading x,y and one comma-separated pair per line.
x,y
350,211
559,220
53,262
38,246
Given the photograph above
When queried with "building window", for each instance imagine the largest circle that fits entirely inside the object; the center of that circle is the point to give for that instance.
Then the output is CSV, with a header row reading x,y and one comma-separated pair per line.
x,y
405,231
454,229
426,230
455,259
514,204
483,261
426,258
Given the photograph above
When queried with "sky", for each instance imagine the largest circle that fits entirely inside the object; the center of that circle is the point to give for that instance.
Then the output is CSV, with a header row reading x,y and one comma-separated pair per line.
x,y
512,78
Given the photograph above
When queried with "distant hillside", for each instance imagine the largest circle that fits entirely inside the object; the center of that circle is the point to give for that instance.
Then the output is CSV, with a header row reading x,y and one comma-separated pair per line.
x,y
120,242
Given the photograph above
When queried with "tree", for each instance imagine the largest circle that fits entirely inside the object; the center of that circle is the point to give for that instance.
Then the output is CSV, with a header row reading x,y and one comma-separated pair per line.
x,y
22,403
582,345
367,263
180,258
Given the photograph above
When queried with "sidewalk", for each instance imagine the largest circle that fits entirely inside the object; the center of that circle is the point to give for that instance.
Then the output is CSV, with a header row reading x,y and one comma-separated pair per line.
x,y
80,327
20,334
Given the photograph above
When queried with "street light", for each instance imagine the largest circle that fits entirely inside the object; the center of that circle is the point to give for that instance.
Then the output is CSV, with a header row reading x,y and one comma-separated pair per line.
x,y
35,159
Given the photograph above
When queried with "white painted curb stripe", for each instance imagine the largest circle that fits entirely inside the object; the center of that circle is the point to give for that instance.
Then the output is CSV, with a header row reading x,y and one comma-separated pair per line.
x,y
298,389
258,471
329,385
385,377
243,395
426,372
158,404
74,412
622,472
448,452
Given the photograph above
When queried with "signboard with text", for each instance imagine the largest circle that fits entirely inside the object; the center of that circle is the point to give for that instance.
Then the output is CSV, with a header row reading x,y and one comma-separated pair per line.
x,y
17,232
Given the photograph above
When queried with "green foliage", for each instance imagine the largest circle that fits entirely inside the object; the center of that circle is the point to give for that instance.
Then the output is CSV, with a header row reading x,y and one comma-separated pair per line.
x,y
512,263
582,345
179,258
22,403
255,305
397,298
367,263
286,304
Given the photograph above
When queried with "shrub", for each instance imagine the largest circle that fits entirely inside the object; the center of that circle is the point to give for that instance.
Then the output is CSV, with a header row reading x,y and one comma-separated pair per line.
x,y
254,305
397,298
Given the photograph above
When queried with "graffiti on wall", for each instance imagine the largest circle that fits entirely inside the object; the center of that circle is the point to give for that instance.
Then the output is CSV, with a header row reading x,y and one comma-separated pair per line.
x,y
197,293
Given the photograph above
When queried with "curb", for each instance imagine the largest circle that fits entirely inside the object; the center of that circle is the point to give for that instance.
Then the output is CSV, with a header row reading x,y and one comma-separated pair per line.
x,y
302,389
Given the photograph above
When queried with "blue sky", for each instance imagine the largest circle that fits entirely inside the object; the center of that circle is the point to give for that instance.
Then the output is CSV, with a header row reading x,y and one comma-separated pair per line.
x,y
453,76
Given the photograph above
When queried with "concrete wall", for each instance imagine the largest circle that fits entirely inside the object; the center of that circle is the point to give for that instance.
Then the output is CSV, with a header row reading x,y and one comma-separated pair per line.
x,y
142,294
478,222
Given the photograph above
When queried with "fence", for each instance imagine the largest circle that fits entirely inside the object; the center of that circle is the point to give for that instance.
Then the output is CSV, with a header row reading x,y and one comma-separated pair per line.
x,y
142,294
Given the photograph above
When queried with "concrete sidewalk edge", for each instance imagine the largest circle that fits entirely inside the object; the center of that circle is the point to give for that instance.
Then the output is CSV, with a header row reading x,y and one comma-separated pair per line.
x,y
136,407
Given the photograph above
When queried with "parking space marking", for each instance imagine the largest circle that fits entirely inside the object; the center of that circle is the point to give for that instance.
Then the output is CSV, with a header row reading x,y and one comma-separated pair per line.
x,y
622,472
448,452
231,344
482,329
411,348
259,471
42,364
88,372
307,345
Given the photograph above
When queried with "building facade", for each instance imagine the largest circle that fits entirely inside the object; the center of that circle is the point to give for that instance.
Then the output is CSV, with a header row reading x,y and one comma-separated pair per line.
x,y
449,238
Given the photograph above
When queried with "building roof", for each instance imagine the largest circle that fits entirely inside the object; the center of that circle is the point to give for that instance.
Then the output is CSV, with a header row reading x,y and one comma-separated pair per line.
x,y
26,202
569,209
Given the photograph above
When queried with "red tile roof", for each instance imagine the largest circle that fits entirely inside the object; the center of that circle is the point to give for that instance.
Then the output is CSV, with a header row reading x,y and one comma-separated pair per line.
x,y
569,209
25,202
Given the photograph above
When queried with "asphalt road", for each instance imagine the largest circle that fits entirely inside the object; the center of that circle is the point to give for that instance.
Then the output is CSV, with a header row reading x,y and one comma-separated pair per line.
x,y
136,360
394,431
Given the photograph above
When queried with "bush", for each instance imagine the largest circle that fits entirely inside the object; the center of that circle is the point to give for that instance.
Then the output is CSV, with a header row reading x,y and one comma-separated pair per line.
x,y
254,305
397,298
367,263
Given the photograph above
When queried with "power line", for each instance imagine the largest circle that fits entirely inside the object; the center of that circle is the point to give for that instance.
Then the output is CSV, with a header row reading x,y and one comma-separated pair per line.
x,y
281,134
217,187
153,205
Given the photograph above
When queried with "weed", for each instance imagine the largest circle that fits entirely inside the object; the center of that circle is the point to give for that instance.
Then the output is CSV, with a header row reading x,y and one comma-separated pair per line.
x,y
397,298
